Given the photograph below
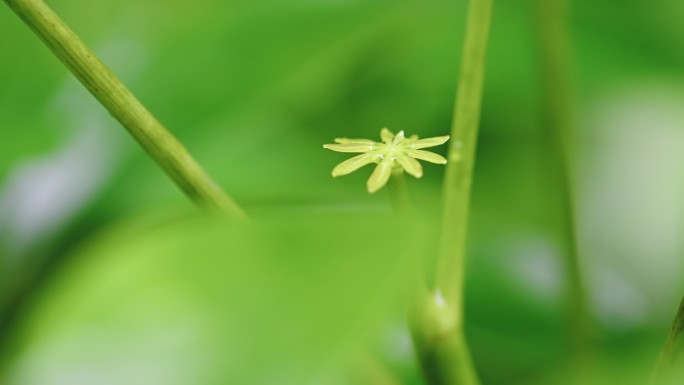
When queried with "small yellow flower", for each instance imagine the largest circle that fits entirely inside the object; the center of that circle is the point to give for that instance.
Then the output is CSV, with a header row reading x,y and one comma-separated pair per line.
x,y
394,152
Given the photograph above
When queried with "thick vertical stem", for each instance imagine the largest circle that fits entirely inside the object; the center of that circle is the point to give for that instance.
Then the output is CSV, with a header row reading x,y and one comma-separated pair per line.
x,y
437,319
159,143
441,347
459,170
555,59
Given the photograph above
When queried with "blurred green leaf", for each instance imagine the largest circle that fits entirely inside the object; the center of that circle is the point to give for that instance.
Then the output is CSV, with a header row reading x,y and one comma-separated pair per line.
x,y
204,301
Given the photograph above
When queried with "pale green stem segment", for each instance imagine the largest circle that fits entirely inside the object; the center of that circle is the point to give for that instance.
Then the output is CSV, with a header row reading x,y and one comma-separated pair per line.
x,y
555,59
398,192
159,143
401,203
672,352
437,326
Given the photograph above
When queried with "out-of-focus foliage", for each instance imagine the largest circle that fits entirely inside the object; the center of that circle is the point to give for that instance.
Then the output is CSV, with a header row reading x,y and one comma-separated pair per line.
x,y
254,88
199,300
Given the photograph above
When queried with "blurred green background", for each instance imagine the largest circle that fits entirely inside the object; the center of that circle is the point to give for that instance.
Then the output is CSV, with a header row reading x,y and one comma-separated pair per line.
x,y
109,276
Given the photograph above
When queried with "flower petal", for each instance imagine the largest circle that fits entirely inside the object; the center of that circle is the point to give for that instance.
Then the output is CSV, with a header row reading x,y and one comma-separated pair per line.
x,y
430,142
386,135
380,175
428,156
398,138
349,141
352,164
351,147
411,165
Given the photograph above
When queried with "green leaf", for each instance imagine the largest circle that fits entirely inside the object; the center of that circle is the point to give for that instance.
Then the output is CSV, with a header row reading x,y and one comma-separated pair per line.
x,y
203,301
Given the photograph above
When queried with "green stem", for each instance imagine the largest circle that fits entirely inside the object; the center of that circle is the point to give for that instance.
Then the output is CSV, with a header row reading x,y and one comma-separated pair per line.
x,y
459,170
443,353
555,58
398,192
437,326
159,143
673,348
402,207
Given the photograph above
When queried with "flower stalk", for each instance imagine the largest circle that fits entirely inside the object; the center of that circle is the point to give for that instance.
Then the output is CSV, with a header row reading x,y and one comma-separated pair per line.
x,y
437,325
101,82
398,192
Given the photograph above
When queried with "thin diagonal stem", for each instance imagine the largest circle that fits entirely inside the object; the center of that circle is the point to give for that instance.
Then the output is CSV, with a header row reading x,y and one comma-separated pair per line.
x,y
159,143
673,348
